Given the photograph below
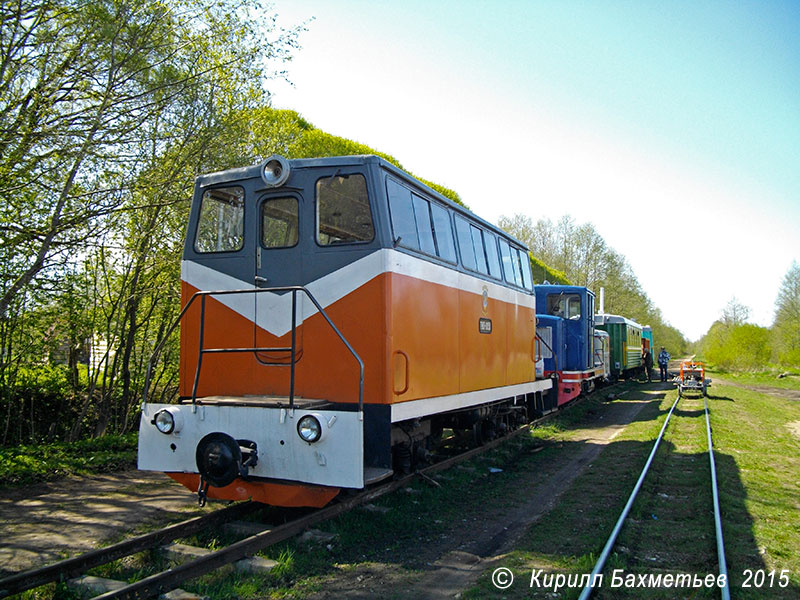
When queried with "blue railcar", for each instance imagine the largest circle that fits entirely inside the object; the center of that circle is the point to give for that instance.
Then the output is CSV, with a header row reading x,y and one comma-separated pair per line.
x,y
565,328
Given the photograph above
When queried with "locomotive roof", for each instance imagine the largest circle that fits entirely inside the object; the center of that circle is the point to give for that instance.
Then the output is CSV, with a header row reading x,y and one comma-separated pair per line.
x,y
617,319
254,171
557,287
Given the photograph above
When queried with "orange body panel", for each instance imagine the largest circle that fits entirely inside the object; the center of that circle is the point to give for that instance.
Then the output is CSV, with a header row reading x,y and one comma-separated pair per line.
x,y
277,494
424,332
417,339
325,368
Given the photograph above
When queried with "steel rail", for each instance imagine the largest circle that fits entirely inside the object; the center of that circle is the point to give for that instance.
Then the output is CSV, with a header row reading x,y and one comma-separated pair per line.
x,y
72,567
723,567
162,582
169,580
601,561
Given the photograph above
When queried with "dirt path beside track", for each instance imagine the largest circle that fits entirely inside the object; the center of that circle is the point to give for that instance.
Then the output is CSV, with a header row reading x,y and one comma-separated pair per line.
x,y
42,523
45,522
480,544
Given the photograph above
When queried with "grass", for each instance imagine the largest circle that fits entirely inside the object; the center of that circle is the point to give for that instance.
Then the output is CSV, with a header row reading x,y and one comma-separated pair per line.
x,y
768,379
670,527
44,462
401,533
770,376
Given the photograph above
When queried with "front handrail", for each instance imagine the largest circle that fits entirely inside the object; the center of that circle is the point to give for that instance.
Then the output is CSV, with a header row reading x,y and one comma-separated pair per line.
x,y
204,294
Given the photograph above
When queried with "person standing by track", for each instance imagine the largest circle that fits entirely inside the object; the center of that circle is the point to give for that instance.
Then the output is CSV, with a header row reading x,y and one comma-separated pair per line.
x,y
663,361
647,361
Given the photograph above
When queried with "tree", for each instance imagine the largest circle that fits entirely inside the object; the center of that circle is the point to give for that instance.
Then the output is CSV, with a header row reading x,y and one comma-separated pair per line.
x,y
88,89
735,313
737,347
786,327
108,109
568,251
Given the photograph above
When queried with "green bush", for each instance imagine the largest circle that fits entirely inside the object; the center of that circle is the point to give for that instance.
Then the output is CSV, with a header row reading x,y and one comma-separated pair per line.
x,y
43,462
738,347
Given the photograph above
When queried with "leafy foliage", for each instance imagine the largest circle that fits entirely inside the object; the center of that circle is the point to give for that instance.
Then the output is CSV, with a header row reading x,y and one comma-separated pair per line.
x,y
108,111
786,328
733,344
579,254
42,462
737,347
542,273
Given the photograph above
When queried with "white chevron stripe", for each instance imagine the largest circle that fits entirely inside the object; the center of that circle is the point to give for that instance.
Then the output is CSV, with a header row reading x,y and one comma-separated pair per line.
x,y
274,310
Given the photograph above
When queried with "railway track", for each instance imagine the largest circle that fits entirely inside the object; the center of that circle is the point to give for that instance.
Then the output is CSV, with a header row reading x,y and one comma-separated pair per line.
x,y
675,497
163,582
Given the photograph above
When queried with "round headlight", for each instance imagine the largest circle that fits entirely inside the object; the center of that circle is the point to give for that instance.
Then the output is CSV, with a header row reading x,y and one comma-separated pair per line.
x,y
309,429
164,421
275,171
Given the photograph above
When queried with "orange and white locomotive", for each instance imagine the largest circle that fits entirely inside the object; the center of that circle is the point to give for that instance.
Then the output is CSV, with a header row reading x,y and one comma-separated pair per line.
x,y
338,315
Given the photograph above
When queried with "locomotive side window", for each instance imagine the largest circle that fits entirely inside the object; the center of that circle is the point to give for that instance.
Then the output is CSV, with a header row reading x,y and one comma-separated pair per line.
x,y
527,276
443,230
220,227
343,212
492,259
422,213
419,224
279,223
403,221
465,246
511,266
516,265
478,248
480,253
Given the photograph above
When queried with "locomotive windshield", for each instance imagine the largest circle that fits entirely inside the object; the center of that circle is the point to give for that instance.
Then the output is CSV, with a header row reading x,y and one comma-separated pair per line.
x,y
343,212
567,306
221,226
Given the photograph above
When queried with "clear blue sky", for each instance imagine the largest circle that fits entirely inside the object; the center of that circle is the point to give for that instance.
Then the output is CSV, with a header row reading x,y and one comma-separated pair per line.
x,y
674,127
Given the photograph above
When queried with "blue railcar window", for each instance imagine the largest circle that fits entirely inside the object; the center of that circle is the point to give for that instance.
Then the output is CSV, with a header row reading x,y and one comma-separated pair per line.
x,y
343,211
491,255
422,212
465,245
220,227
545,342
404,224
480,253
279,222
556,305
444,233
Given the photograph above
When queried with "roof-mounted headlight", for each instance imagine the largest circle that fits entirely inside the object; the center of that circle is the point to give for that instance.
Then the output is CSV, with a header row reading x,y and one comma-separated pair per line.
x,y
275,171
309,429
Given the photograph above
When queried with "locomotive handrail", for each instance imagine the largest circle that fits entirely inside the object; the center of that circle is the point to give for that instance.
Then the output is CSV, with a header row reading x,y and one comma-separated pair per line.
x,y
294,290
